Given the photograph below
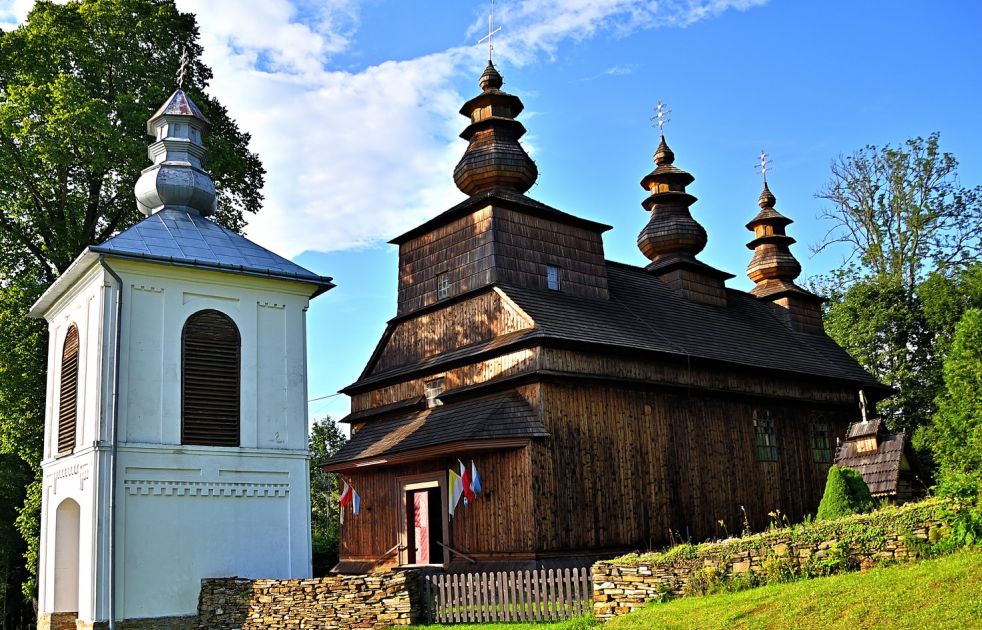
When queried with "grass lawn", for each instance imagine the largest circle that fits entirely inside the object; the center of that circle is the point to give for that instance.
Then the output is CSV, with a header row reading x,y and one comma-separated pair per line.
x,y
941,593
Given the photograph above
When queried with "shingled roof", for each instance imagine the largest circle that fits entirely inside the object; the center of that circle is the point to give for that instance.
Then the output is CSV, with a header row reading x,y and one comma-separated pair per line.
x,y
186,238
645,314
879,468
506,415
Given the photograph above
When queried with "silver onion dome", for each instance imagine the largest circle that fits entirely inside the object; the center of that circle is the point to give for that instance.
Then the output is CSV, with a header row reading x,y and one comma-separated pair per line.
x,y
177,179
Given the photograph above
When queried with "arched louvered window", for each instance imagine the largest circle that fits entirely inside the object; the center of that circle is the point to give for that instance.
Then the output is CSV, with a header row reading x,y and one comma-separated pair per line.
x,y
210,377
68,393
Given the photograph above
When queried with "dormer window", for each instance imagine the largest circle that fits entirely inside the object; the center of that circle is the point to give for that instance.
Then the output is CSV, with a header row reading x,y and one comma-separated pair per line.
x,y
442,286
433,388
552,278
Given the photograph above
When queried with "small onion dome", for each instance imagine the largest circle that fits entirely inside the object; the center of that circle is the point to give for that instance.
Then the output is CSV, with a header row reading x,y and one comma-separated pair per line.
x,y
671,231
494,158
773,267
177,178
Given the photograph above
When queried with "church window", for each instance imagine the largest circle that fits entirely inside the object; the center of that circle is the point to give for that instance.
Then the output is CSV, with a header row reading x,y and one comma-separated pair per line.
x,y
442,286
765,437
433,388
68,393
552,278
210,380
821,442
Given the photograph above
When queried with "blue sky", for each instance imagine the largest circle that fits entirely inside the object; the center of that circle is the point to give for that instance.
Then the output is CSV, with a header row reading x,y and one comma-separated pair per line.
x,y
353,108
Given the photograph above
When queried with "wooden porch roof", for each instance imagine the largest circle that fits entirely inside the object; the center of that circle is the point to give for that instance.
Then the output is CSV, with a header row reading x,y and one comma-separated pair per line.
x,y
494,419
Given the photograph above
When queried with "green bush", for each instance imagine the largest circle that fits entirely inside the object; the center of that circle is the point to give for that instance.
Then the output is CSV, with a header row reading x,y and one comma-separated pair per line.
x,y
845,493
955,436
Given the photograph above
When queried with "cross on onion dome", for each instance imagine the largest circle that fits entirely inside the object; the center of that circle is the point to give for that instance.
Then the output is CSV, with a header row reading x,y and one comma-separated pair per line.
x,y
763,164
182,67
661,117
491,31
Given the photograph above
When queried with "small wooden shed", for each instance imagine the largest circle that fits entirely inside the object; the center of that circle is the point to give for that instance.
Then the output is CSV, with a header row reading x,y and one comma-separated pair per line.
x,y
885,460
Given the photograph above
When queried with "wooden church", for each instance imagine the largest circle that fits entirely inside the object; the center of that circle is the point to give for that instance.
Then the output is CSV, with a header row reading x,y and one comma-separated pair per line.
x,y
607,407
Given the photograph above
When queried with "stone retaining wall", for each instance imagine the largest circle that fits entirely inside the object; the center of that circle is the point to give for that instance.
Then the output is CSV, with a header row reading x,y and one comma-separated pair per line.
x,y
625,584
337,602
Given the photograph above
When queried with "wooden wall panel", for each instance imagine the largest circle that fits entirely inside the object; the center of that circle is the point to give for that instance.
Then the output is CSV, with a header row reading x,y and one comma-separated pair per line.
x,y
479,372
625,467
498,245
525,245
499,522
462,249
461,324
711,378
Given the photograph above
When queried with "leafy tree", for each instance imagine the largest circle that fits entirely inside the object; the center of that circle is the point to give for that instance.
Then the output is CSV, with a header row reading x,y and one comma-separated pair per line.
x,y
885,330
955,437
326,438
902,212
913,234
845,493
77,84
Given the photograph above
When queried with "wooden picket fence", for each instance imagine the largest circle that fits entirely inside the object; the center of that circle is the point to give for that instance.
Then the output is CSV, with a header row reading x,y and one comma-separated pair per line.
x,y
540,595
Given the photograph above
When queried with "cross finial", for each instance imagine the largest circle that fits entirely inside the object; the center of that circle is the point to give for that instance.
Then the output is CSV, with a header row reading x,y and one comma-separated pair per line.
x,y
661,117
763,164
182,67
491,31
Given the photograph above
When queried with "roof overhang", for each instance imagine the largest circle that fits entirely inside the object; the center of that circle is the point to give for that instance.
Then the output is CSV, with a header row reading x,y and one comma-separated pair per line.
x,y
79,267
429,452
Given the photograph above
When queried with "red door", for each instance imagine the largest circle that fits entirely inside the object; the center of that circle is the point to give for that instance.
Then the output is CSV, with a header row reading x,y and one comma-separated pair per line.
x,y
421,526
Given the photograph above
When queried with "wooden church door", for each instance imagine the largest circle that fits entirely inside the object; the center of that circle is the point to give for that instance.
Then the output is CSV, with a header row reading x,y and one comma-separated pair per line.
x,y
424,524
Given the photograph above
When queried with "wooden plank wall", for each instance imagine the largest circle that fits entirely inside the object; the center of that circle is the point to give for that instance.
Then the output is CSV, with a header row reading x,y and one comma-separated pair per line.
x,y
624,467
703,377
498,523
461,248
478,372
461,324
524,245
493,245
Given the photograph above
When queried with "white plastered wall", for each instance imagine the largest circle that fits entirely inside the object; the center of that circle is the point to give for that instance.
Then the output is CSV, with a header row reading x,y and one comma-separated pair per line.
x,y
183,512
73,477
189,512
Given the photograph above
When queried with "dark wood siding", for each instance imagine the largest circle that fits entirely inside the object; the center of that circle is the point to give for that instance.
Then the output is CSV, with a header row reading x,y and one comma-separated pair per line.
x,y
624,467
497,525
68,393
210,380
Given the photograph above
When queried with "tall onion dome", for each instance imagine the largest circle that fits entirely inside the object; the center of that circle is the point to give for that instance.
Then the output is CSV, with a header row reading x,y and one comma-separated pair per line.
x,y
671,232
774,268
494,158
177,179
672,238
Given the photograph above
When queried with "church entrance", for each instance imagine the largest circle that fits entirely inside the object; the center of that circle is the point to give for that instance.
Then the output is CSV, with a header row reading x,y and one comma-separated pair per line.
x,y
424,524
67,522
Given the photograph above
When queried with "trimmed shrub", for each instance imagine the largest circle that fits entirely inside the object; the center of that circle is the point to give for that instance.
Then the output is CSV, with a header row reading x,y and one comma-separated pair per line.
x,y
845,493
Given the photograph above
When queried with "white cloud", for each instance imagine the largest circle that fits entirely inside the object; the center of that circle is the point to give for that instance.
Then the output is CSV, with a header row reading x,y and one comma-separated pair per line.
x,y
353,157
13,12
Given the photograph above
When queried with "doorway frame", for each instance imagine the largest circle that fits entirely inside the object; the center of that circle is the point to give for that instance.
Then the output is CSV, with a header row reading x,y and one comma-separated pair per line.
x,y
423,481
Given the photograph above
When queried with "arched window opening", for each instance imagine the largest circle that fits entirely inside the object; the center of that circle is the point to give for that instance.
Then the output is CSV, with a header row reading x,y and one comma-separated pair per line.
x,y
68,393
67,528
210,378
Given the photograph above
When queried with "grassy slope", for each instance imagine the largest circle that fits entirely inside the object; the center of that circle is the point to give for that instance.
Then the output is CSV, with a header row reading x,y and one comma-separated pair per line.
x,y
942,593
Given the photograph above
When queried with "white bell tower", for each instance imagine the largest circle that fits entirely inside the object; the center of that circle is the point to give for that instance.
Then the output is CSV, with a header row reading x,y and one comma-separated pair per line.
x,y
176,424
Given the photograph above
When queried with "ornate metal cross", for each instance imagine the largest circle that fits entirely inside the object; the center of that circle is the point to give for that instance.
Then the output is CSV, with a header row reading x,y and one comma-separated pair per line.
x,y
182,67
763,164
491,31
661,117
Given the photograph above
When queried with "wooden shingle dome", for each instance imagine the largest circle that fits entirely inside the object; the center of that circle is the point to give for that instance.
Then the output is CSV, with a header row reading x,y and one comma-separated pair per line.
x,y
494,158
